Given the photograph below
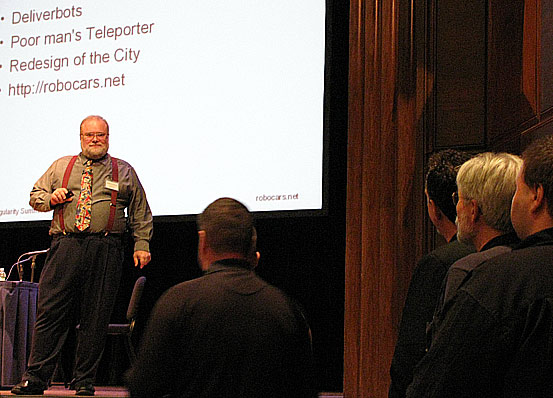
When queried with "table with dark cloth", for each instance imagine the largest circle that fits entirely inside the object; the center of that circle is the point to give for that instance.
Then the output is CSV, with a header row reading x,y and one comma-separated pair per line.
x,y
17,315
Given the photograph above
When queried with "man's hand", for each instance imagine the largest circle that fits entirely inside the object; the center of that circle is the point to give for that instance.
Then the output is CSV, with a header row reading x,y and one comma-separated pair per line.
x,y
141,258
60,196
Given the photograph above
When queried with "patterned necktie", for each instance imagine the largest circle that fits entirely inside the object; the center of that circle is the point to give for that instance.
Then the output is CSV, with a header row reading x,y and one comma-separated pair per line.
x,y
82,217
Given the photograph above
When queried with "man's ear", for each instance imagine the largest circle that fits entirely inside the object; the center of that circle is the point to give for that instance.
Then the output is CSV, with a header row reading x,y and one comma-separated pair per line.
x,y
538,197
475,212
201,241
202,250
434,211
255,259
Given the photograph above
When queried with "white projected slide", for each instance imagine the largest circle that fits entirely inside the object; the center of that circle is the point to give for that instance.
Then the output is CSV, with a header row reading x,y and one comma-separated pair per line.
x,y
204,98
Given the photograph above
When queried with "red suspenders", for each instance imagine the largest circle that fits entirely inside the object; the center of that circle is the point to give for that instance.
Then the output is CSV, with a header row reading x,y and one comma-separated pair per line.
x,y
114,178
112,206
66,175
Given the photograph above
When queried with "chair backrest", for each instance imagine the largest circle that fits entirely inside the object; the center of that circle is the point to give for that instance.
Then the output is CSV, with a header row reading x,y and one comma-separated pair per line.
x,y
135,298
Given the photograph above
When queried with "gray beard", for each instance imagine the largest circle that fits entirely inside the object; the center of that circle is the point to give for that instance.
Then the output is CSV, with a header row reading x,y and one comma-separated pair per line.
x,y
466,237
95,154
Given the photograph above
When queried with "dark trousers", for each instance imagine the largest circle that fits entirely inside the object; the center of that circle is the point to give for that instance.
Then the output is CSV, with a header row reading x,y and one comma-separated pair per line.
x,y
81,276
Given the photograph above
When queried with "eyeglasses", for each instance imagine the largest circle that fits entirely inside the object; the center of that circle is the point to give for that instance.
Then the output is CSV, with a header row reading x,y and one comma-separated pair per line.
x,y
99,135
455,197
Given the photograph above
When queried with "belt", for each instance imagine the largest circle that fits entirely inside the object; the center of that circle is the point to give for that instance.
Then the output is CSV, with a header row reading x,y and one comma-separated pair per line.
x,y
83,235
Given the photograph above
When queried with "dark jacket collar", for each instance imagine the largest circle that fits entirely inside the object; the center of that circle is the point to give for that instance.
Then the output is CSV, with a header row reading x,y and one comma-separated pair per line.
x,y
229,263
510,239
542,238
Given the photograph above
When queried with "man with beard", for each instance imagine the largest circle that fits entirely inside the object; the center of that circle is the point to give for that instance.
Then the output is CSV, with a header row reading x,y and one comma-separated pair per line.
x,y
485,188
495,336
83,267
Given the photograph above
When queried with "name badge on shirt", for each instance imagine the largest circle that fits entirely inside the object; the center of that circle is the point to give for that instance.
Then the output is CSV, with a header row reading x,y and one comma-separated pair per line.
x,y
114,186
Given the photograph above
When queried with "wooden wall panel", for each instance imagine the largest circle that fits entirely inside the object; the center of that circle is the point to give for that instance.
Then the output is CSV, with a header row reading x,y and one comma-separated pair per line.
x,y
546,55
520,73
512,67
425,76
385,191
537,131
460,65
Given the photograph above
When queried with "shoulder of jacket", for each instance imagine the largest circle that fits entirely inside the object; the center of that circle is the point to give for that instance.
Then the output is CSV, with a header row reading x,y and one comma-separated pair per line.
x,y
451,252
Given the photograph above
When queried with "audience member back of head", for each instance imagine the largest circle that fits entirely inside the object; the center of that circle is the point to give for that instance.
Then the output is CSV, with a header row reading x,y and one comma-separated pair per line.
x,y
228,333
424,288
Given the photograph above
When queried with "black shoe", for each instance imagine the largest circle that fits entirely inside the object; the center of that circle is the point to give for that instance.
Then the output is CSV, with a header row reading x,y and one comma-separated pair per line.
x,y
86,390
27,387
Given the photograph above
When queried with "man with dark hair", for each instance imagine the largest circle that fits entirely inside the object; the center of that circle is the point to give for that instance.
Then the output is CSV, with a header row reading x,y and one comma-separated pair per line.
x,y
227,333
424,288
441,182
227,227
495,339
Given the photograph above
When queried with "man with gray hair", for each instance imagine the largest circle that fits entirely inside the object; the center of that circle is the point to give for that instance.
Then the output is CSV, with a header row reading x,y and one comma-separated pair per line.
x,y
81,275
485,188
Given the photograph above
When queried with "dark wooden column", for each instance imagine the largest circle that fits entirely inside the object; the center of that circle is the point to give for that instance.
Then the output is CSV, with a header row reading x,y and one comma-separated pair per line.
x,y
385,203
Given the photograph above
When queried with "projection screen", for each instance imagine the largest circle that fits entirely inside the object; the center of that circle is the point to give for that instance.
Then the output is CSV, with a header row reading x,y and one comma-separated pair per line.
x,y
204,98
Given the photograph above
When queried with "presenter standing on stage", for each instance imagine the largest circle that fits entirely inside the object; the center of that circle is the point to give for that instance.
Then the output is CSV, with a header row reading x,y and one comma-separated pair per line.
x,y
89,194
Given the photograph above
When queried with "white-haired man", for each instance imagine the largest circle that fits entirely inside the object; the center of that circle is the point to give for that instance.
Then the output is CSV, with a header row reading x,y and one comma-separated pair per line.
x,y
485,188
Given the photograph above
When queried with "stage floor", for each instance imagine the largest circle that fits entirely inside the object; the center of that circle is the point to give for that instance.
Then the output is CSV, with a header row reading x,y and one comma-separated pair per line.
x,y
61,391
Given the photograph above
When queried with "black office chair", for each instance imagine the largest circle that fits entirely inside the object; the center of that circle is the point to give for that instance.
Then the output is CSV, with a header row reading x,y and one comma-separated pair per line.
x,y
126,329
64,368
